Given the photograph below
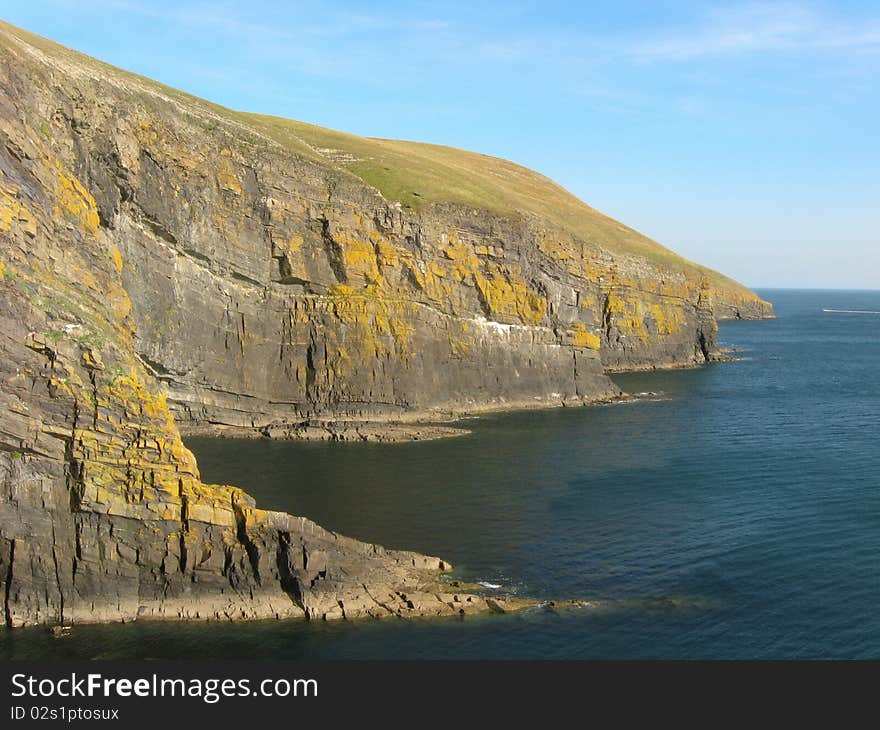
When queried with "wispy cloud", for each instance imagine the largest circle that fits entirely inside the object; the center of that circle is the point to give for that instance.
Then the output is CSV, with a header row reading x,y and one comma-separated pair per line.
x,y
741,30
315,38
303,29
388,47
303,19
757,28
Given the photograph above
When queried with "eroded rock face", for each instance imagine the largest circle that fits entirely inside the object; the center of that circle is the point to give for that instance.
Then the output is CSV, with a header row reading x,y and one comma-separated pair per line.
x,y
161,263
103,516
269,289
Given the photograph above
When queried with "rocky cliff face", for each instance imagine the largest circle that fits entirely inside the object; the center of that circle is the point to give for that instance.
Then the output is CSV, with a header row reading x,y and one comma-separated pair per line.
x,y
102,512
164,262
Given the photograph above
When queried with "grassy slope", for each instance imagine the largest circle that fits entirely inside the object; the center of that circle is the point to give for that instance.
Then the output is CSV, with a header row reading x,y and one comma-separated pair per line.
x,y
418,174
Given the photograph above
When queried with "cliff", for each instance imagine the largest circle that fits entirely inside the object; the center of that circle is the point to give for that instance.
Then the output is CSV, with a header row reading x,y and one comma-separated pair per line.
x,y
165,262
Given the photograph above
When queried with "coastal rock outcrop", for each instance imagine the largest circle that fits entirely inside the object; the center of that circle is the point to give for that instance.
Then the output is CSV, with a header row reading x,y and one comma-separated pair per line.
x,y
167,263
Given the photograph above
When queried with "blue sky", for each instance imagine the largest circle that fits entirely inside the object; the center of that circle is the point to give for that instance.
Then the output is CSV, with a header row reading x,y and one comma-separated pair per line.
x,y
742,135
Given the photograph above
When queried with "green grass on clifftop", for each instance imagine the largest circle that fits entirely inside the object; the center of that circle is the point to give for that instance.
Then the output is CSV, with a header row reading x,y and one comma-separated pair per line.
x,y
415,174
419,174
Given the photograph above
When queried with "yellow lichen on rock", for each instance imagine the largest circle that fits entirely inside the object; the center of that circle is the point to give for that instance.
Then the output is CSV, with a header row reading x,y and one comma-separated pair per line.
x,y
582,337
625,312
146,133
227,176
9,208
375,326
139,397
358,258
668,318
390,255
460,338
507,295
119,301
586,300
132,462
295,243
14,212
72,199
554,247
463,256
117,258
732,297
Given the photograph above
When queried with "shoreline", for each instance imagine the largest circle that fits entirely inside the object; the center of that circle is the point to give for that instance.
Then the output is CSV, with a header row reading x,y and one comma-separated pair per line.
x,y
425,425
425,606
417,426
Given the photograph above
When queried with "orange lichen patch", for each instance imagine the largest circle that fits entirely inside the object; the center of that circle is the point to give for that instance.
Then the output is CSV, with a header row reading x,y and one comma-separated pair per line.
x,y
358,328
212,504
577,258
460,259
184,161
85,301
190,162
399,326
73,200
674,285
338,290
438,269
458,348
503,290
289,251
582,337
507,295
416,275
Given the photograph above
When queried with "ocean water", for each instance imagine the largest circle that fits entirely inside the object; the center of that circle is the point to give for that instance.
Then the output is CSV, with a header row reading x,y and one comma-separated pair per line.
x,y
732,512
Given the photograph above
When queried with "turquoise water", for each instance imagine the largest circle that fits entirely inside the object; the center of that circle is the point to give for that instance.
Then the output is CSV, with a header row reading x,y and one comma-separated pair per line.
x,y
735,513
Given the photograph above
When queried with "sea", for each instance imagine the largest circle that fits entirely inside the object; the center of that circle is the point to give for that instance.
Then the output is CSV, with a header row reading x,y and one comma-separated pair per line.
x,y
730,511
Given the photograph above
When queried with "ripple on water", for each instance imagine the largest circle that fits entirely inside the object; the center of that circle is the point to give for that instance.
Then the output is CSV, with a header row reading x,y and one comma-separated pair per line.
x,y
730,511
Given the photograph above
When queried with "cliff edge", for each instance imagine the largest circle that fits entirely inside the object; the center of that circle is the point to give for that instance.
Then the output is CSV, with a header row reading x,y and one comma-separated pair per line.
x,y
168,263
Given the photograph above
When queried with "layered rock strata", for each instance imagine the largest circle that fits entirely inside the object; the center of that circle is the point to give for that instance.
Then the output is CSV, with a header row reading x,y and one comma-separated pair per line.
x,y
164,262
